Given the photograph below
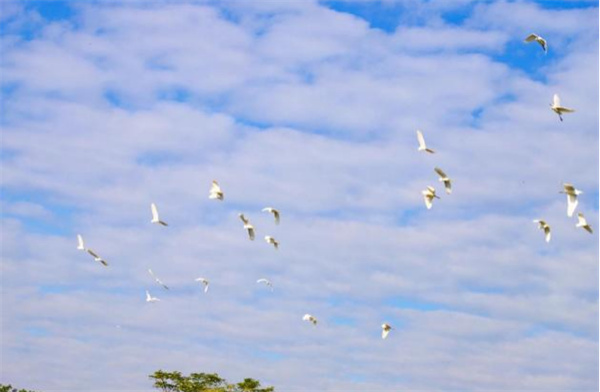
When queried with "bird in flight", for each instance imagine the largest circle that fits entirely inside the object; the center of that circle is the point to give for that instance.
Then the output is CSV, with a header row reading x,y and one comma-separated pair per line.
x,y
428,196
80,244
158,280
205,282
274,212
155,217
422,145
557,108
542,225
385,330
248,226
444,178
215,191
97,258
150,298
308,317
265,281
534,37
581,222
272,240
572,201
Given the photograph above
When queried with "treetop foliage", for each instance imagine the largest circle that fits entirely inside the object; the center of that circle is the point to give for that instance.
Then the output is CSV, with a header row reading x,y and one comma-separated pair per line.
x,y
10,388
202,382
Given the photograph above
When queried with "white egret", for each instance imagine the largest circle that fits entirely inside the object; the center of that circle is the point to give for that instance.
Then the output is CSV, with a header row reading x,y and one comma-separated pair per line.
x,y
247,226
422,145
385,330
205,282
581,222
155,217
97,258
534,37
428,196
215,191
272,240
150,298
308,317
265,281
158,280
558,109
274,212
444,178
542,225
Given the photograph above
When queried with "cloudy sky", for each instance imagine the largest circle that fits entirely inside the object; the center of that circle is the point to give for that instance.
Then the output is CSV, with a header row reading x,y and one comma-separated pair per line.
x,y
310,107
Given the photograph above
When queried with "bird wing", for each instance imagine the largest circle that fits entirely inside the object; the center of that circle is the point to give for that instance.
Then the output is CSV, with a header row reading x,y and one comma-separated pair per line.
x,y
571,204
243,218
157,279
448,186
215,188
566,110
162,284
421,140
547,232
543,43
581,220
251,233
154,212
556,101
440,172
276,216
427,199
148,297
80,242
531,37
93,253
385,333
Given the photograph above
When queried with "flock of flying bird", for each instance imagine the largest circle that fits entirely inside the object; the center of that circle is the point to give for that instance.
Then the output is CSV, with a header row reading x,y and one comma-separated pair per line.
x,y
568,189
429,194
215,193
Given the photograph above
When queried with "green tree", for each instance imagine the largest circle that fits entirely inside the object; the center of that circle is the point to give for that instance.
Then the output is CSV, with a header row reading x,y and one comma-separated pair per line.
x,y
10,388
202,382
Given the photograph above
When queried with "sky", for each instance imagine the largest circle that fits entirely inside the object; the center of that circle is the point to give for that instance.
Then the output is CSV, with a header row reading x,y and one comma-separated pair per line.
x,y
312,108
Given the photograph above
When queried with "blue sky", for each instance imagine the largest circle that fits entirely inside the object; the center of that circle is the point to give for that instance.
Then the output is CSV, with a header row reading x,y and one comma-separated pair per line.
x,y
310,107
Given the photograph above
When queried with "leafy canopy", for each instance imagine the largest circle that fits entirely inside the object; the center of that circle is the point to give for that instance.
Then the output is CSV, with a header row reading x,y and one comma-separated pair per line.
x,y
10,388
202,382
